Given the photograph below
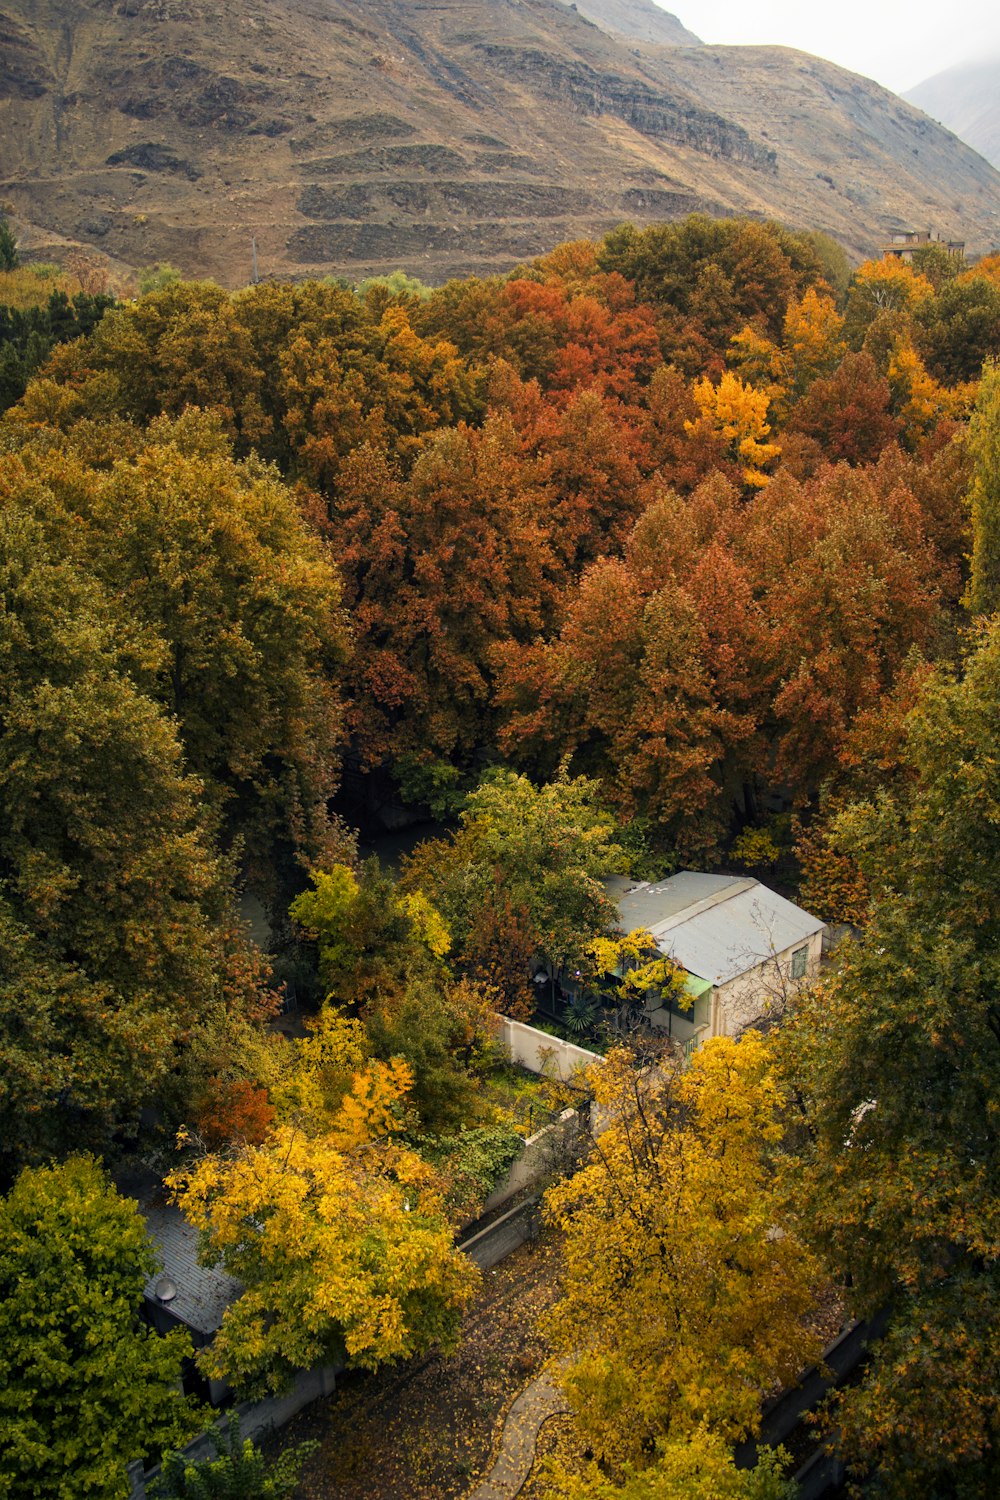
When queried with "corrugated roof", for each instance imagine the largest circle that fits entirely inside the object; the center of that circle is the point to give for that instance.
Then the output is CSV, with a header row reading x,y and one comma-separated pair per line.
x,y
203,1293
716,926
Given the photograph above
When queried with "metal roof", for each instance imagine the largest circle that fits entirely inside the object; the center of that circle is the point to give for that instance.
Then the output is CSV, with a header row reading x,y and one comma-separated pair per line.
x,y
203,1293
716,926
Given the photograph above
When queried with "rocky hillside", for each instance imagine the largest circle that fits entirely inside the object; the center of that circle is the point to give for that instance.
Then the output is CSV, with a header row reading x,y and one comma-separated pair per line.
x,y
967,101
638,20
461,135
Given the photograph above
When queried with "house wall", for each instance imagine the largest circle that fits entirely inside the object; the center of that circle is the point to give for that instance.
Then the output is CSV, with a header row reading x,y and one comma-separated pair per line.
x,y
761,991
727,1009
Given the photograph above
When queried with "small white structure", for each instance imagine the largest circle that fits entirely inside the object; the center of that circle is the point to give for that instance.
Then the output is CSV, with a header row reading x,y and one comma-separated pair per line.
x,y
744,947
538,1052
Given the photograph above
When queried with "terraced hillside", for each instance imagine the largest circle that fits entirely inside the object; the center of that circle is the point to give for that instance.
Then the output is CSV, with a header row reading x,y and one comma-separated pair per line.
x,y
356,136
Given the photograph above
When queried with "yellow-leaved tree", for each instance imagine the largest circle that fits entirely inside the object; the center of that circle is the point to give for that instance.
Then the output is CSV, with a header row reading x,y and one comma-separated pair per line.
x,y
336,1230
737,413
919,400
686,1282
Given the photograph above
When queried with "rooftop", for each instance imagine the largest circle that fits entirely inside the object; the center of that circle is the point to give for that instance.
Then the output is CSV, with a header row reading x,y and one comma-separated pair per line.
x,y
715,926
203,1293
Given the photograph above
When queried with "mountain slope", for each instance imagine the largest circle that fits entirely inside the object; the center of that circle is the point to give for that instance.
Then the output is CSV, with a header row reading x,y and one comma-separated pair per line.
x,y
447,137
967,100
854,152
637,20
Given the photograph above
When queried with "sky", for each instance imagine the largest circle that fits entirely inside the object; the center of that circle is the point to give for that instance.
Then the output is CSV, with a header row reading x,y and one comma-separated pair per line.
x,y
898,43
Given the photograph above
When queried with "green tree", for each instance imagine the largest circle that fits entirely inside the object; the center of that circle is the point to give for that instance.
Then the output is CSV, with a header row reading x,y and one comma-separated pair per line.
x,y
84,1386
896,1059
983,597
155,278
546,847
238,1471
960,328
120,954
240,605
8,247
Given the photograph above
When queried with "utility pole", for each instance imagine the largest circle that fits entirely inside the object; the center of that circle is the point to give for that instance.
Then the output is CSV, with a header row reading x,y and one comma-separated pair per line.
x,y
253,244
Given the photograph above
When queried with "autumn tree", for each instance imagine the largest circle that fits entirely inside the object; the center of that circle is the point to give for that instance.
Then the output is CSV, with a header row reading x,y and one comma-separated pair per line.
x,y
336,1231
404,388
850,584
179,346
116,908
984,441
440,567
848,413
692,1299
699,1467
381,953
738,413
811,347
367,932
921,404
652,685
682,451
84,1385
499,950
896,1057
718,274
882,287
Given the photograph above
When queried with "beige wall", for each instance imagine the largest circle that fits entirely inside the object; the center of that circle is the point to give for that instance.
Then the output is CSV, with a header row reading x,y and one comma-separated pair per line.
x,y
727,1009
762,991
543,1155
541,1053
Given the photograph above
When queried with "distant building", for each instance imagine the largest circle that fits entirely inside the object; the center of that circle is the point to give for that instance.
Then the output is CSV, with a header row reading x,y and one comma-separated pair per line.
x,y
744,949
904,242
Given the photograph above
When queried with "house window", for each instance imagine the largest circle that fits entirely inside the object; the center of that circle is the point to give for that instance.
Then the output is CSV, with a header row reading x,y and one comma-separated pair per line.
x,y
799,960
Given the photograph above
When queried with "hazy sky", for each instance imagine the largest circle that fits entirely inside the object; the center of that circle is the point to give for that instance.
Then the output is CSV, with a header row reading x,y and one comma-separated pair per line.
x,y
896,42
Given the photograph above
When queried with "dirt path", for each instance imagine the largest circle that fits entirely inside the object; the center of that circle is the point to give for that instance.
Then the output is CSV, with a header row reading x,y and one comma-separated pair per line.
x,y
539,1401
429,1430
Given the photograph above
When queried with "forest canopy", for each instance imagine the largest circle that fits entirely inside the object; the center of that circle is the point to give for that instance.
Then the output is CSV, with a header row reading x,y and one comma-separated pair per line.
x,y
676,549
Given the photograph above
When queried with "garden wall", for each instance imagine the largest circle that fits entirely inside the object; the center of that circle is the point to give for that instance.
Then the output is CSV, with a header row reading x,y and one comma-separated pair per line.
x,y
256,1419
544,1153
541,1053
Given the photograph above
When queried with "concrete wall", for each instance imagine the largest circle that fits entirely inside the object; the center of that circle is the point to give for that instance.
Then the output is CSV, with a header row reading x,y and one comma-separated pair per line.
x,y
256,1419
541,1053
543,1154
505,1235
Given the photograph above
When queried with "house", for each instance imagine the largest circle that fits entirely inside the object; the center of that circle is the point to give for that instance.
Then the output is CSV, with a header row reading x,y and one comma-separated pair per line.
x,y
742,946
904,242
182,1293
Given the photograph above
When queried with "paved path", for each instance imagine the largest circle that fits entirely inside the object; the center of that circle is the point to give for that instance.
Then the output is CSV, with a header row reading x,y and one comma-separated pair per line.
x,y
538,1401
